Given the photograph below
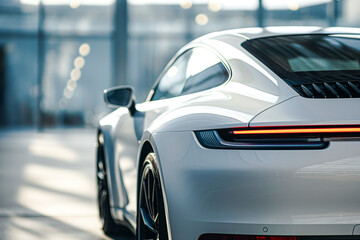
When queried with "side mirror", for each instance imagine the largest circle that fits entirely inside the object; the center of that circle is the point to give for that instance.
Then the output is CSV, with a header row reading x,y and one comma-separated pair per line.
x,y
122,96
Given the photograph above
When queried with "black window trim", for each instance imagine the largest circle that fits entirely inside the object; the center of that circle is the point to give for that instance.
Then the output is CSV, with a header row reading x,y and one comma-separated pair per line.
x,y
291,78
274,67
181,53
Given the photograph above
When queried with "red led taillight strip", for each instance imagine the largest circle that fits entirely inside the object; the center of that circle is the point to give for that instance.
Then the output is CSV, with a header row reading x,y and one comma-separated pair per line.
x,y
299,130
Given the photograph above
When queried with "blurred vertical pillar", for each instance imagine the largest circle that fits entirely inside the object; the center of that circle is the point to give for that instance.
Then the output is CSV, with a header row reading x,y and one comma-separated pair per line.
x,y
40,64
333,12
189,19
261,14
120,42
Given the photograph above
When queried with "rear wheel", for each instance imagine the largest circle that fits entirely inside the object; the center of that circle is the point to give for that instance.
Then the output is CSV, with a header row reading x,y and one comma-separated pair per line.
x,y
108,224
151,219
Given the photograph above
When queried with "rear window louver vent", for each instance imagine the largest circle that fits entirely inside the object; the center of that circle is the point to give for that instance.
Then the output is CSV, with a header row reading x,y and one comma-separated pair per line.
x,y
344,89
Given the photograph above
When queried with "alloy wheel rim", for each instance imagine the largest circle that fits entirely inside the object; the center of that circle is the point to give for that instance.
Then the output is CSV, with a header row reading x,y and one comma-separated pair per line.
x,y
102,189
149,211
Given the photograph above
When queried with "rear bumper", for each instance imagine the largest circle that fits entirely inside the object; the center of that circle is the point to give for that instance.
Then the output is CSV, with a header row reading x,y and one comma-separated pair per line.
x,y
251,237
258,192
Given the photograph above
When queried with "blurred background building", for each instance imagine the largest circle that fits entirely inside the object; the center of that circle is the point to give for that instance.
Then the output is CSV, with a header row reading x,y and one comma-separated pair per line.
x,y
57,56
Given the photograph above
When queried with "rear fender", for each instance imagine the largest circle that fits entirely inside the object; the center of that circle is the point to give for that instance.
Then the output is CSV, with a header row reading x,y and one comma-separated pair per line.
x,y
146,139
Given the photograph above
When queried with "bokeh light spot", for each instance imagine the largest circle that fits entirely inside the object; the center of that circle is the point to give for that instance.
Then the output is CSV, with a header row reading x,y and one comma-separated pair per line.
x,y
186,4
71,85
214,6
79,62
84,49
201,19
68,93
75,74
74,3
293,5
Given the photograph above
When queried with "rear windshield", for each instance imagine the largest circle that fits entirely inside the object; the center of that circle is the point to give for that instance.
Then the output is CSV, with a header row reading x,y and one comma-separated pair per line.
x,y
305,59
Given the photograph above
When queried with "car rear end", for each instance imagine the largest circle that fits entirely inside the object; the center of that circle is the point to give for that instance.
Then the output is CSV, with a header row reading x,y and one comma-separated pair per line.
x,y
292,173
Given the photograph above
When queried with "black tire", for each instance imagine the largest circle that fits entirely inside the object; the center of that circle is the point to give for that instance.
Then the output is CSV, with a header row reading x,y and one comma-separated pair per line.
x,y
108,224
151,218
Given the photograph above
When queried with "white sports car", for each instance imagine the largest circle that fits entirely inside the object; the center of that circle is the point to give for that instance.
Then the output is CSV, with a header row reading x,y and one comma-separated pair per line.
x,y
249,134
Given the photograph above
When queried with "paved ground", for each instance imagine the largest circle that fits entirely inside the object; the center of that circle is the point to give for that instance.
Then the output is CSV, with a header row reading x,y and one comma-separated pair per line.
x,y
47,185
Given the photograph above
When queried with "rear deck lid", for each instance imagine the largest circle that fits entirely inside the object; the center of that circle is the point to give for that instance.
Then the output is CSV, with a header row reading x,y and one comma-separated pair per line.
x,y
305,111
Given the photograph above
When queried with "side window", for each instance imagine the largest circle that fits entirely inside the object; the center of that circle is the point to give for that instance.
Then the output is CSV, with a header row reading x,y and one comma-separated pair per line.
x,y
196,70
205,70
172,82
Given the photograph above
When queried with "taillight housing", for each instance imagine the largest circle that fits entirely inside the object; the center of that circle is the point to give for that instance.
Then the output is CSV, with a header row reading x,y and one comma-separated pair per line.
x,y
278,137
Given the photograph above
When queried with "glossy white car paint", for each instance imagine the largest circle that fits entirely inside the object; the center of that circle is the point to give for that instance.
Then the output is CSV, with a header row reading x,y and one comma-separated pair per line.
x,y
291,193
255,192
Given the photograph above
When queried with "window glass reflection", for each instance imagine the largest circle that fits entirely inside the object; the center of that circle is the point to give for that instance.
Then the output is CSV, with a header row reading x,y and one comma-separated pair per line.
x,y
297,12
204,71
18,81
200,60
79,17
172,83
196,70
74,80
190,17
18,17
348,14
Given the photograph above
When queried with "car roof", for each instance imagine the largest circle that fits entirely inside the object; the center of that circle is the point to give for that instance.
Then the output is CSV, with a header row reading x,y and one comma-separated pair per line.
x,y
257,32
